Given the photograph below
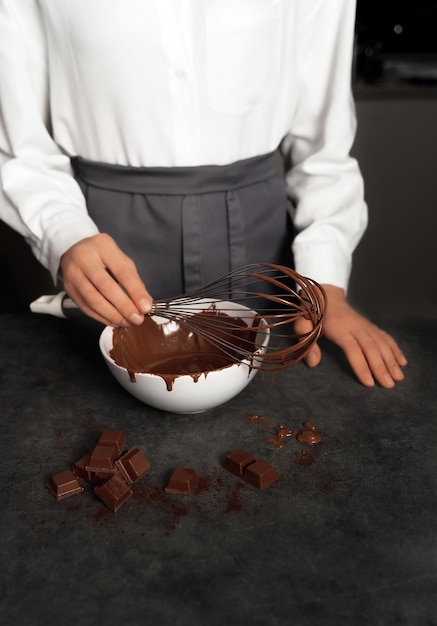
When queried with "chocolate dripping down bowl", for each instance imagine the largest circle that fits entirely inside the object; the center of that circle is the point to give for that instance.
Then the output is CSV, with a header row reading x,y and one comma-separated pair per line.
x,y
198,350
248,315
214,379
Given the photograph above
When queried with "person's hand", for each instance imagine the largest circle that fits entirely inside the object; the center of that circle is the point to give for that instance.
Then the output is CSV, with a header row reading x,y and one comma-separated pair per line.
x,y
104,282
372,353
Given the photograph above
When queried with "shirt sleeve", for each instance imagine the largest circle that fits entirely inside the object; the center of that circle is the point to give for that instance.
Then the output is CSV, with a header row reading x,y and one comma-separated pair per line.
x,y
324,182
39,196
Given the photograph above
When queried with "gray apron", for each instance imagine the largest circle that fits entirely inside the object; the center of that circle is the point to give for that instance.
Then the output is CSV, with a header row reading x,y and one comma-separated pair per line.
x,y
186,226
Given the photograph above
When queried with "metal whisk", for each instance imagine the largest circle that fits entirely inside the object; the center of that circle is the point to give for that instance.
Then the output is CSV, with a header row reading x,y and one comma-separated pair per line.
x,y
276,296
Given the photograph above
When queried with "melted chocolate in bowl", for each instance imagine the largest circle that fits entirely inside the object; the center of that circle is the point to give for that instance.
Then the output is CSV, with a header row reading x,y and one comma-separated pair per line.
x,y
170,349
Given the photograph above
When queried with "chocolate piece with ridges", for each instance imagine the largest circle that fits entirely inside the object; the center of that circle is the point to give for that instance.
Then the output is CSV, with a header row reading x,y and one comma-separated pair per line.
x,y
237,461
184,480
113,492
64,484
113,438
102,459
133,465
261,474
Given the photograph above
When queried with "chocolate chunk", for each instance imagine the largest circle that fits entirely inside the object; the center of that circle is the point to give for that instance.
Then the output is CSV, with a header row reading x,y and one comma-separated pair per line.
x,y
64,485
133,465
237,461
113,492
80,469
103,475
183,480
309,426
113,438
261,474
102,459
243,464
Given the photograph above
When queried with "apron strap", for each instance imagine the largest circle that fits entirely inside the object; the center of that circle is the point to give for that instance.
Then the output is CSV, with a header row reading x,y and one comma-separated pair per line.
x,y
191,253
191,237
237,249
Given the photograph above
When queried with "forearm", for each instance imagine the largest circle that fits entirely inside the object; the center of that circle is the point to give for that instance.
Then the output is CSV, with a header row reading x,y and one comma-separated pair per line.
x,y
323,181
39,196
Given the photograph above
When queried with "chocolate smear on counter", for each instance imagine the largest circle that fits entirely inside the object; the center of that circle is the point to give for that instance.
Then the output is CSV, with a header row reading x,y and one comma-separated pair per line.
x,y
279,432
310,437
170,349
304,458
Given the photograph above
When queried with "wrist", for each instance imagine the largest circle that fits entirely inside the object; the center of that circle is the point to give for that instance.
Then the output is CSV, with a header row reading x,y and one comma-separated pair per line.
x,y
334,293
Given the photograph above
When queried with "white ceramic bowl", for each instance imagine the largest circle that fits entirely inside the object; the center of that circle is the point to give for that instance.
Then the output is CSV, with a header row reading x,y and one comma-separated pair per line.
x,y
187,395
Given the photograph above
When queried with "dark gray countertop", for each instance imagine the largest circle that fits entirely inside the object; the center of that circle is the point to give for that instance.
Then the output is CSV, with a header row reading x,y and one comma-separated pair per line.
x,y
349,539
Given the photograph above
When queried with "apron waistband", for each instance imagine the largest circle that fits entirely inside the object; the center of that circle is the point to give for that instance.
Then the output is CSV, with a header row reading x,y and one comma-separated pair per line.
x,y
175,180
190,183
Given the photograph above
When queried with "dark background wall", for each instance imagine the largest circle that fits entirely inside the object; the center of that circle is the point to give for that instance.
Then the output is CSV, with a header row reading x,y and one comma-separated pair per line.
x,y
394,270
22,278
398,26
395,82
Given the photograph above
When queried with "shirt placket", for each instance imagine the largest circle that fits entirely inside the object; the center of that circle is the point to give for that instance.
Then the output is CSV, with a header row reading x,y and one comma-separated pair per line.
x,y
177,27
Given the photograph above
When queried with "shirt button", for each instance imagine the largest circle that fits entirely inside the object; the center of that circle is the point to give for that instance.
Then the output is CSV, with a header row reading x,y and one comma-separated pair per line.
x,y
180,72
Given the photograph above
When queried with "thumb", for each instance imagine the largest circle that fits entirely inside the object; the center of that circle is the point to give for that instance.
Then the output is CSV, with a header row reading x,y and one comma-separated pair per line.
x,y
314,354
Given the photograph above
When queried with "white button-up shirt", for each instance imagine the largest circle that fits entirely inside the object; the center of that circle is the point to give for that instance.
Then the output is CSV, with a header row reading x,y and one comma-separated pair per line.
x,y
179,83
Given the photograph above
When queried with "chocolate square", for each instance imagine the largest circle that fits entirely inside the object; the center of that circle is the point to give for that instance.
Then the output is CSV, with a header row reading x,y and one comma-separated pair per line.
x,y
261,474
102,459
113,438
64,484
183,480
80,469
237,461
133,465
103,475
113,492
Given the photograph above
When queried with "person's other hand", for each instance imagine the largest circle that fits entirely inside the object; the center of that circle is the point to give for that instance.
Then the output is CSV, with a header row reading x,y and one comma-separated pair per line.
x,y
372,353
104,282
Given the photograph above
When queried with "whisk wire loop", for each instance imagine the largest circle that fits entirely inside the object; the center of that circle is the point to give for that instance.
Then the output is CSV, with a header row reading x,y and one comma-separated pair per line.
x,y
263,334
